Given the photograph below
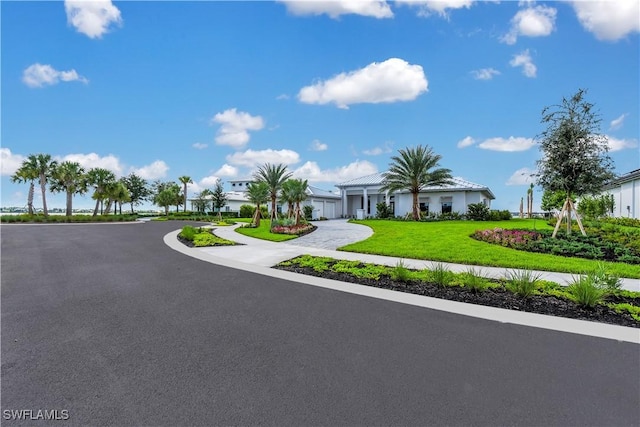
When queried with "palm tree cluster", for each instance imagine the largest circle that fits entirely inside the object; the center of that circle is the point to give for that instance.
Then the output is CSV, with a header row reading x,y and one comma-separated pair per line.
x,y
71,178
272,182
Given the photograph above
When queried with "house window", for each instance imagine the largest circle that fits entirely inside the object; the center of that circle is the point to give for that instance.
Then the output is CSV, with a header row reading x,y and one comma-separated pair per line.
x,y
233,184
239,184
424,207
447,204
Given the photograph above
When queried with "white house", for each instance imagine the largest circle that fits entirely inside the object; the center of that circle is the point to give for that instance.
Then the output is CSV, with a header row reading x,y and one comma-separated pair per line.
x,y
626,193
325,203
360,196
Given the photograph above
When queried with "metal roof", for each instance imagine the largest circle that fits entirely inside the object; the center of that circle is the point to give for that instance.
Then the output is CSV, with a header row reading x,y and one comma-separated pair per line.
x,y
317,192
459,184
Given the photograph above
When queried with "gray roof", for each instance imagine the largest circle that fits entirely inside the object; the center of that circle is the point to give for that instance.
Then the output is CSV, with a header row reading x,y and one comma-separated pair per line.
x,y
459,184
629,176
317,192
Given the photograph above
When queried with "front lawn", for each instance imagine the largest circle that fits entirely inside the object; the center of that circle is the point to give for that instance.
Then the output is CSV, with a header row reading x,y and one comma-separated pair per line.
x,y
450,241
263,232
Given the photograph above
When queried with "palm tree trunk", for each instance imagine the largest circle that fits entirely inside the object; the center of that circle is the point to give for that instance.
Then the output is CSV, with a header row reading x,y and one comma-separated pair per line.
x,y
43,189
108,208
273,210
69,203
95,210
132,211
256,216
30,198
416,212
185,197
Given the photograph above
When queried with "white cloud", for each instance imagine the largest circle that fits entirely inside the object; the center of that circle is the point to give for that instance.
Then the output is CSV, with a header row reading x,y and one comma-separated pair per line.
x,y
466,142
536,21
282,97
522,176
617,123
92,18
93,160
235,126
335,8
616,144
376,151
227,170
252,158
609,20
389,81
523,59
38,75
312,172
155,170
485,73
209,181
510,144
199,146
440,7
9,162
317,145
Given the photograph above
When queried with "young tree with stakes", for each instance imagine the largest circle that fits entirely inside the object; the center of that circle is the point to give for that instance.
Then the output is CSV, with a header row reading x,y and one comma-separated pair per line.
x,y
219,198
257,193
274,176
574,153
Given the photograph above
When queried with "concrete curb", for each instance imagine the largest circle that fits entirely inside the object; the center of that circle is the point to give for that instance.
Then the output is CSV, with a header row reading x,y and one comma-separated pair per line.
x,y
581,327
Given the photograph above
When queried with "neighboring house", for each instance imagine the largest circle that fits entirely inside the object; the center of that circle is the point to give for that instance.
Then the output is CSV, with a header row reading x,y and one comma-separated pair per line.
x,y
360,196
626,193
325,204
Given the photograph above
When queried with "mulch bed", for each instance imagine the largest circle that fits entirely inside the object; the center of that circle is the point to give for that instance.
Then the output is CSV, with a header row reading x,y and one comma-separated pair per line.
x,y
500,298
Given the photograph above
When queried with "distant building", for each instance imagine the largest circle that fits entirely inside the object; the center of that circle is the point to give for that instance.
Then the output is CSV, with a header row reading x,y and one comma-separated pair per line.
x,y
626,194
360,196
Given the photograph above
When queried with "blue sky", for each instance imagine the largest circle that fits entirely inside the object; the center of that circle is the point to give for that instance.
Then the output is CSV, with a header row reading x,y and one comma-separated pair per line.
x,y
333,88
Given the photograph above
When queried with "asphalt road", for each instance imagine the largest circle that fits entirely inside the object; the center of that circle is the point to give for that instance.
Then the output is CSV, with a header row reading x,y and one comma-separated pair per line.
x,y
108,323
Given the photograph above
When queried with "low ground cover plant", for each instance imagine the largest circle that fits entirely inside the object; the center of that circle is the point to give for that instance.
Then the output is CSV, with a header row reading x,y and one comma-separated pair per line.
x,y
201,237
592,296
263,232
604,243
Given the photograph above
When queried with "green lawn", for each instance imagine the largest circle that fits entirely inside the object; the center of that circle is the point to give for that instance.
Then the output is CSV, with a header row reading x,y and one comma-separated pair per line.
x,y
449,241
263,233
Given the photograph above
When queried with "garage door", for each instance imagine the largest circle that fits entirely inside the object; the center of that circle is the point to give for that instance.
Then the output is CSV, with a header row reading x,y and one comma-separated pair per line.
x,y
318,210
330,210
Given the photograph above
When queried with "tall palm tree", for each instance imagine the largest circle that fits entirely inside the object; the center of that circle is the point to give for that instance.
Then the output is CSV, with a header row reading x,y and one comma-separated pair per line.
x,y
288,194
100,179
299,195
70,178
257,193
185,180
27,172
117,194
412,170
44,165
273,176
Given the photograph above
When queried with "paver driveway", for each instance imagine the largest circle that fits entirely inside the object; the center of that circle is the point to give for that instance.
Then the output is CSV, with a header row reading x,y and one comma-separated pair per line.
x,y
109,323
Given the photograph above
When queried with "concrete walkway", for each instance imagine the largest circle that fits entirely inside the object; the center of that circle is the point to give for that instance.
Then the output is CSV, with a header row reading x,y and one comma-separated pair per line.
x,y
333,234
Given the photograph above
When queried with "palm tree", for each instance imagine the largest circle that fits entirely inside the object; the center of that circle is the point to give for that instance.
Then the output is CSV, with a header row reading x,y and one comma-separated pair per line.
x,y
294,191
44,165
273,176
185,180
413,170
288,195
28,172
257,193
100,179
70,178
117,193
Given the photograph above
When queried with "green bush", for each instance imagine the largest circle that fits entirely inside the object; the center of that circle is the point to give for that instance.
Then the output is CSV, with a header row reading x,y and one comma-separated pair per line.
x,y
522,282
473,280
188,232
587,291
383,211
478,212
247,211
440,274
308,212
400,272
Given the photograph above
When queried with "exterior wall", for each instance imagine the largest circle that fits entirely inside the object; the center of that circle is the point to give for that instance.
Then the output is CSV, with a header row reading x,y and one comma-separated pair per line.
x,y
627,198
324,207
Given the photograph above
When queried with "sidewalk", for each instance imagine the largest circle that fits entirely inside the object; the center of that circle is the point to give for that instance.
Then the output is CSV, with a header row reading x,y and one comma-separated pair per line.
x,y
267,254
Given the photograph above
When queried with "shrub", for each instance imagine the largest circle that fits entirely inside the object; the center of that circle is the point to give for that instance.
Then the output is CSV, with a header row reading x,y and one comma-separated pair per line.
x,y
383,211
188,232
440,274
522,282
586,290
307,210
473,280
247,211
400,272
478,212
